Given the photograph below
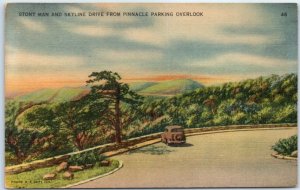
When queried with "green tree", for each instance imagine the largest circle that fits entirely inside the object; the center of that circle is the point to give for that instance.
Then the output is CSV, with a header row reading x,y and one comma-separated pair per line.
x,y
42,120
107,86
83,121
22,143
211,103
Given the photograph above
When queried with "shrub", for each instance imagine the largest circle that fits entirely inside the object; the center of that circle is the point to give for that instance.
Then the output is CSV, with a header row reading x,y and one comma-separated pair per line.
x,y
286,146
265,115
151,128
286,114
222,119
85,158
239,118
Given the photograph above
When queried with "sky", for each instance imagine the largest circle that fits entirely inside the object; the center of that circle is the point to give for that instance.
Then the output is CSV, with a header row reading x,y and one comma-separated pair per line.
x,y
230,42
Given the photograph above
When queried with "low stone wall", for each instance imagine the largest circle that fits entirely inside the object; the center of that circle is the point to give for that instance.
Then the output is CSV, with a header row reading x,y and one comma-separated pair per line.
x,y
233,127
60,158
131,142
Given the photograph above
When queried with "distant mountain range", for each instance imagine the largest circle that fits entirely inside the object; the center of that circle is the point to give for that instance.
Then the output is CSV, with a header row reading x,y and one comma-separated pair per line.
x,y
53,95
165,88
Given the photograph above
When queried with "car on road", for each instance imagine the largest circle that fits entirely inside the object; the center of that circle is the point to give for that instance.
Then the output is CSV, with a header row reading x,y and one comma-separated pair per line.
x,y
173,135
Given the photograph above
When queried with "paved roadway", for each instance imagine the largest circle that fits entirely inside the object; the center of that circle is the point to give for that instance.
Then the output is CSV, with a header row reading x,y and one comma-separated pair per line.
x,y
232,159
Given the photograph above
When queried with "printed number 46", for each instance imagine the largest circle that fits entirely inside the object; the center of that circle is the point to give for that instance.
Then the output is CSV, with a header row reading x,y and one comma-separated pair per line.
x,y
283,14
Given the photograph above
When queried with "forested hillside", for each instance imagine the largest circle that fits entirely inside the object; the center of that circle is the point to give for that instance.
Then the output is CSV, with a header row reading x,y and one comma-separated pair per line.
x,y
52,95
270,99
172,87
59,127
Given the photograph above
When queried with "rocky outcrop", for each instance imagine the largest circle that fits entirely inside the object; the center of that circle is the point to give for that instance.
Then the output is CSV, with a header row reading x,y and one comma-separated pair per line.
x,y
68,175
87,166
62,166
75,168
49,176
294,154
105,163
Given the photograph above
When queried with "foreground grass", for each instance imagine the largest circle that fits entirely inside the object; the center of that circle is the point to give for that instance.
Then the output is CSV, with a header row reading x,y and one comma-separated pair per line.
x,y
34,179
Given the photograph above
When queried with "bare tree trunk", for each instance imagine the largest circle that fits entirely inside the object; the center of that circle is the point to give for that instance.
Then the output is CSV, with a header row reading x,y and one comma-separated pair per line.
x,y
77,143
118,138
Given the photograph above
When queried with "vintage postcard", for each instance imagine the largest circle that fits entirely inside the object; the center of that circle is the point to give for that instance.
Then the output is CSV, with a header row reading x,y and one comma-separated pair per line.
x,y
138,95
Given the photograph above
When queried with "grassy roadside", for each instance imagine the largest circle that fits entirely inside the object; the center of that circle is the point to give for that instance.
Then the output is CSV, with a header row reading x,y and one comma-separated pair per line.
x,y
33,179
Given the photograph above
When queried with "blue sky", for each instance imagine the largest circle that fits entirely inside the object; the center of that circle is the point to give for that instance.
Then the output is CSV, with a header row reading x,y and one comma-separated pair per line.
x,y
230,42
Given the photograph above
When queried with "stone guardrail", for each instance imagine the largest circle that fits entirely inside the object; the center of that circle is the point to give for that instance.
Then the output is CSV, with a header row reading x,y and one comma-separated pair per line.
x,y
133,141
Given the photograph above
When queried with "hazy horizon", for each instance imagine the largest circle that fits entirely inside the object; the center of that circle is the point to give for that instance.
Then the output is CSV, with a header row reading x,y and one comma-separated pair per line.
x,y
157,79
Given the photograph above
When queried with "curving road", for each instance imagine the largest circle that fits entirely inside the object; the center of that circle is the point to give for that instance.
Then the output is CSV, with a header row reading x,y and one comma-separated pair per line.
x,y
232,159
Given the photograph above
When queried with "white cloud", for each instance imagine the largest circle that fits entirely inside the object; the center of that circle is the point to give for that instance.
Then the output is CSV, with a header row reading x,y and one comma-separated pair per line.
x,y
127,63
246,60
100,25
15,58
32,25
92,31
125,56
146,35
207,28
